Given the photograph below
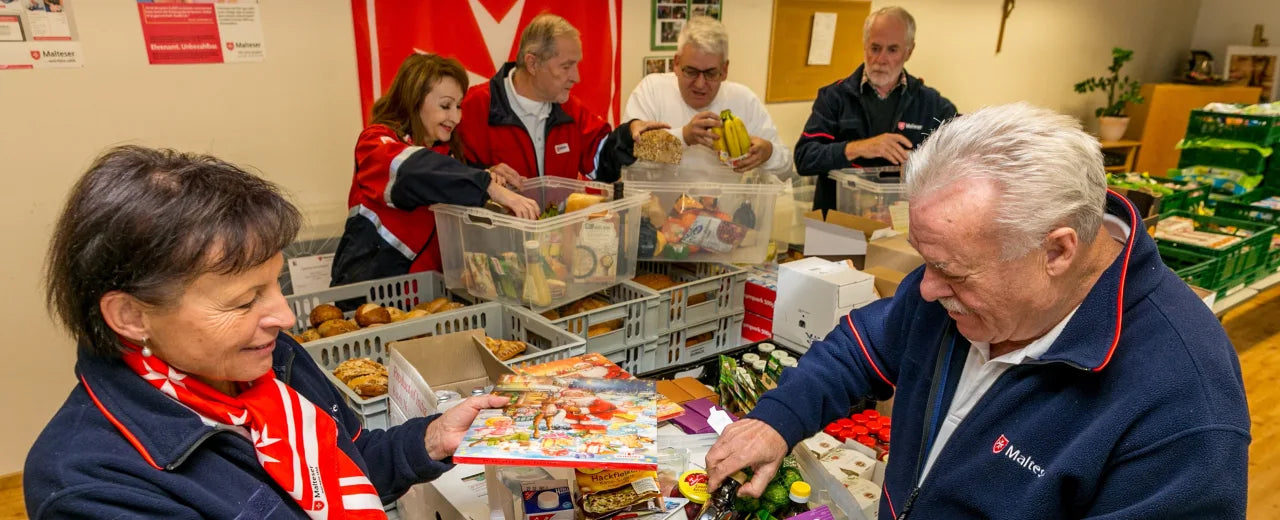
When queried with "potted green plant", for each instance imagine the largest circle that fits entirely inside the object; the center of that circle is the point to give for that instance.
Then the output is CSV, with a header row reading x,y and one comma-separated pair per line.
x,y
1112,119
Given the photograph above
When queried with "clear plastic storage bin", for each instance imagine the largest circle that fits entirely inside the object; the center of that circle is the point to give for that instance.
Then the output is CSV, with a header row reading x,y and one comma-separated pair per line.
x,y
704,215
869,195
488,254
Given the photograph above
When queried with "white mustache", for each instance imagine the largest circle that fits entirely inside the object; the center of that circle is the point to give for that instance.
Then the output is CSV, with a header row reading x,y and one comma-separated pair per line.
x,y
953,305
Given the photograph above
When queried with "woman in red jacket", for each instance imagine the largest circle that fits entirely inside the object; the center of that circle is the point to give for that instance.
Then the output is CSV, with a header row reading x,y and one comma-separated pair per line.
x,y
407,159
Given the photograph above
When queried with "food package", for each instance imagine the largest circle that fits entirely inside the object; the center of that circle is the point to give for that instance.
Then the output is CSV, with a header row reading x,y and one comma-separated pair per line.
x,y
608,493
481,280
714,232
595,260
659,146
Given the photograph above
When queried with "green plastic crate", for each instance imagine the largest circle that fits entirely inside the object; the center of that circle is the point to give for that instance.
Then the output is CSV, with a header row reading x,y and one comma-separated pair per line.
x,y
1244,159
1197,269
1258,129
1238,263
1186,200
1242,208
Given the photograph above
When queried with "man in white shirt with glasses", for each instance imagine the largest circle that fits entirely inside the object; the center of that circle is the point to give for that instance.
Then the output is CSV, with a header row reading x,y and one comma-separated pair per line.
x,y
691,98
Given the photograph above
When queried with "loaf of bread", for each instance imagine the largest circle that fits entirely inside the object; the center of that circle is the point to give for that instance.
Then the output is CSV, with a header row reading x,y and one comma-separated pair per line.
x,y
335,327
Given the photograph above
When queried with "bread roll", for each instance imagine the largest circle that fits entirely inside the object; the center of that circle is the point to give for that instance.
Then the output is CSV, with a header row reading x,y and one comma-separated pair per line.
x,y
432,306
357,367
371,313
372,385
450,306
416,313
310,334
335,327
395,314
324,312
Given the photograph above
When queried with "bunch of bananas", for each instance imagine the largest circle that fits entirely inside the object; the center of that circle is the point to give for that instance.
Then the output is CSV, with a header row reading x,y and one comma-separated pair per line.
x,y
732,137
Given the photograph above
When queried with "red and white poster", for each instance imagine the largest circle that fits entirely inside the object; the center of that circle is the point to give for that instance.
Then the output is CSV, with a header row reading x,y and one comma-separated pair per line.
x,y
177,32
38,34
484,34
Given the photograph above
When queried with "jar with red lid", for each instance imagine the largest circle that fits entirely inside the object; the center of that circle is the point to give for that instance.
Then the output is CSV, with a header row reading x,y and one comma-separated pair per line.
x,y
868,441
871,414
883,434
874,425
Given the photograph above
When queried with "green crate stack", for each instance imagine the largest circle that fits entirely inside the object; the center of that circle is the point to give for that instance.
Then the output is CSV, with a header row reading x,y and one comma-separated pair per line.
x,y
1242,208
1183,199
1258,129
1239,263
1247,160
1197,269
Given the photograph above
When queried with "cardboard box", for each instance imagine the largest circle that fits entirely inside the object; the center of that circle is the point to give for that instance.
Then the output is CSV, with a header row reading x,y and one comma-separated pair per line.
x,y
839,234
756,328
887,280
814,294
685,389
893,253
417,368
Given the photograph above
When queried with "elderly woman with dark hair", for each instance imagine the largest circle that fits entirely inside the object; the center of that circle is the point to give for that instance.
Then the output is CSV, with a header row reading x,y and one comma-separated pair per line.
x,y
191,403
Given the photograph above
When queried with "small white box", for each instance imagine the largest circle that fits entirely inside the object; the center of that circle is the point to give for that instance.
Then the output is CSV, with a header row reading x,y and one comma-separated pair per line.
x,y
844,463
821,444
814,294
866,493
547,500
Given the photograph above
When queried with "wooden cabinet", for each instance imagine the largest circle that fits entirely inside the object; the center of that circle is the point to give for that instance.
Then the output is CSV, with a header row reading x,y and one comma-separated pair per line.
x,y
1127,148
1161,121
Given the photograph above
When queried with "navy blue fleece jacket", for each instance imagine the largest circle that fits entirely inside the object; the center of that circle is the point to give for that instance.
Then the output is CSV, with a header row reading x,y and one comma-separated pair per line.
x,y
1136,411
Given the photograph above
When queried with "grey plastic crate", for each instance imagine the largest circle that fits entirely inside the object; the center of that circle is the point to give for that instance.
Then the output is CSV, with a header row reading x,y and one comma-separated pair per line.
x,y
636,359
673,348
629,303
402,292
546,343
723,283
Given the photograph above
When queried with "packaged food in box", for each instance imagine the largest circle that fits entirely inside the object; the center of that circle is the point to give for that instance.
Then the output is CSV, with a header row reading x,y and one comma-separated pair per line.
x,y
585,242
704,215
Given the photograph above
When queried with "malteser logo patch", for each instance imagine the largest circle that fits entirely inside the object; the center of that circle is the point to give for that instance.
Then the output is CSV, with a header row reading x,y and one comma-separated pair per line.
x,y
1016,455
999,444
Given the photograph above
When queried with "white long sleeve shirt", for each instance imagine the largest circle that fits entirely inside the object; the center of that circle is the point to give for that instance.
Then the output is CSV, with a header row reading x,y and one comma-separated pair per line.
x,y
657,98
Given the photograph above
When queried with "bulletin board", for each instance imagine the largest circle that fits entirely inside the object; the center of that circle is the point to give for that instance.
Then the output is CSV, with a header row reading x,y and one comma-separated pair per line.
x,y
790,77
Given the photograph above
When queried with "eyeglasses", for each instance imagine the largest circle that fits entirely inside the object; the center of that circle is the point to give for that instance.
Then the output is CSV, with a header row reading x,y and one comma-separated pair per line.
x,y
712,74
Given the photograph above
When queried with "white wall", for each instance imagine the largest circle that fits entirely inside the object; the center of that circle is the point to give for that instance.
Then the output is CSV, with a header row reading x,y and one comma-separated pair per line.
x,y
294,117
1049,45
1230,22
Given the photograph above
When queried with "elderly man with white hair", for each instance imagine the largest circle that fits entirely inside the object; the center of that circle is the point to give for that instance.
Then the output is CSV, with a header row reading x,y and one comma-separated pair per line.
x,y
691,98
1043,362
874,117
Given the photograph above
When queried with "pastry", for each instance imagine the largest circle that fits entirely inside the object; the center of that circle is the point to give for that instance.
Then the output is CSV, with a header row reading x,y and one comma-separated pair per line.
x,y
505,349
310,334
324,312
358,367
395,314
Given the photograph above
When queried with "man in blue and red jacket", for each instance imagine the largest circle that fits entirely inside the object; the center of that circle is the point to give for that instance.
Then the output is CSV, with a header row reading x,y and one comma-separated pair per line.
x,y
525,116
1043,362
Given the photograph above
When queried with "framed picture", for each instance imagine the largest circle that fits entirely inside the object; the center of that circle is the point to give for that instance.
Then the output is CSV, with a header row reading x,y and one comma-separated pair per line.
x,y
1255,67
654,65
669,17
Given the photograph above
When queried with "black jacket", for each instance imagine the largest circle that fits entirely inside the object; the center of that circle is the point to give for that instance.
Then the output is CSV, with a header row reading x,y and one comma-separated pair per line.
x,y
839,117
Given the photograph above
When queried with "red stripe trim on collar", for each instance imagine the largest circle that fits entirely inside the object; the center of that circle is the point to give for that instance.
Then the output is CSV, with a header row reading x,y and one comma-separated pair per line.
x,y
128,435
1134,227
889,499
858,337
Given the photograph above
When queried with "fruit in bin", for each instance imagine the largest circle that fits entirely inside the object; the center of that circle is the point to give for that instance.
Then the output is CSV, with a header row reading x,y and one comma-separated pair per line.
x,y
774,497
676,252
371,314
325,312
746,504
685,203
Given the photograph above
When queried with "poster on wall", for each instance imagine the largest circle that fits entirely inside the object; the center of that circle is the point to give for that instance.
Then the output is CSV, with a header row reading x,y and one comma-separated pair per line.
x,y
38,34
669,17
483,35
178,32
1255,67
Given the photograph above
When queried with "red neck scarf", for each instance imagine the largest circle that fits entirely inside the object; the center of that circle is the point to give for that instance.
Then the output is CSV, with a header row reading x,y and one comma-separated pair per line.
x,y
296,441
